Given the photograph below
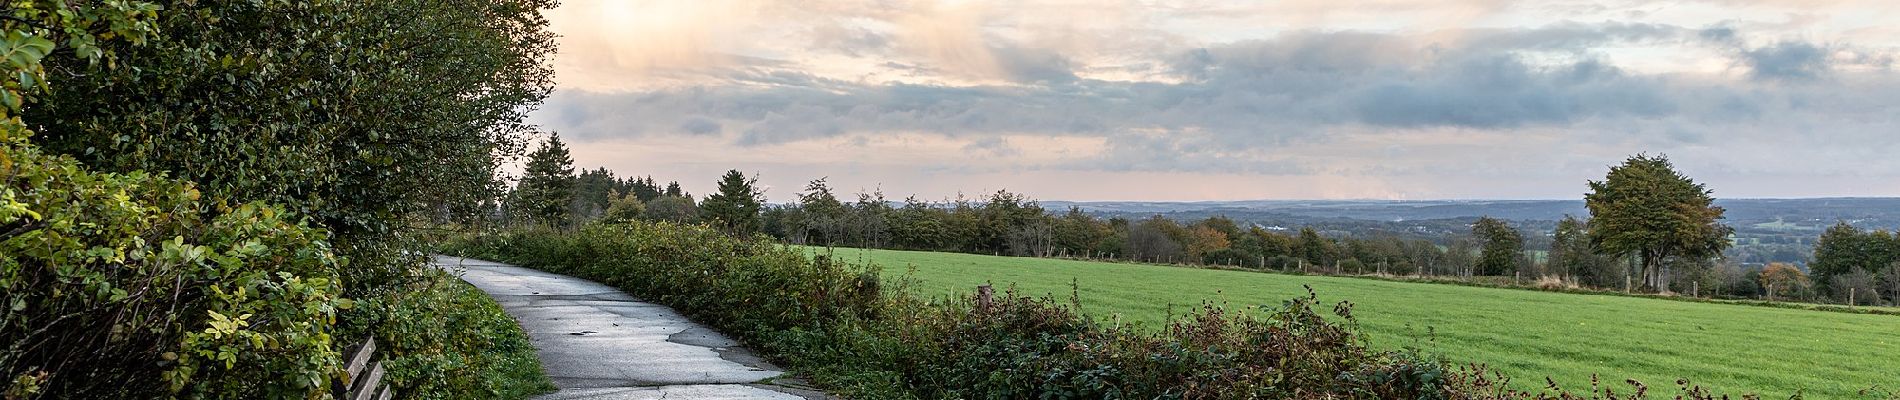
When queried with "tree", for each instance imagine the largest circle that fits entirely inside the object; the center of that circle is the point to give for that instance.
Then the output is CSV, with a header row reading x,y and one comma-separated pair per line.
x,y
624,207
1150,241
1844,250
1569,245
671,208
917,225
645,189
735,208
1783,281
1646,208
362,115
593,193
1459,257
1860,287
870,220
1081,234
547,185
1202,241
823,219
1503,247
1007,214
1315,249
1889,280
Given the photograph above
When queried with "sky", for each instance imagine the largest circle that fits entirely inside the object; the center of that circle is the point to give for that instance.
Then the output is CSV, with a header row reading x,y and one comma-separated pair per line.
x,y
1232,100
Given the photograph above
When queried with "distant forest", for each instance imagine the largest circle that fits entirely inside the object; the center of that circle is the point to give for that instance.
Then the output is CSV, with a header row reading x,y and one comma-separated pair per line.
x,y
1761,249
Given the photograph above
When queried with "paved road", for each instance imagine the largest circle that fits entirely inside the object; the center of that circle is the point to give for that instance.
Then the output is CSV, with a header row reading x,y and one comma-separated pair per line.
x,y
599,343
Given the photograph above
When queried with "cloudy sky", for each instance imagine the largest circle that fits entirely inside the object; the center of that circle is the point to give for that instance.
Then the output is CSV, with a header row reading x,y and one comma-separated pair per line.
x,y
1212,100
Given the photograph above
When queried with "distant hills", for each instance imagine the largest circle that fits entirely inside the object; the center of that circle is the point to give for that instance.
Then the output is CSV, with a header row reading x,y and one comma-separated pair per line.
x,y
1776,214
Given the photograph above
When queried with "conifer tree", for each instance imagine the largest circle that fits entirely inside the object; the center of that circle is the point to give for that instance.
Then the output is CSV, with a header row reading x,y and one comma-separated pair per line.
x,y
735,208
547,187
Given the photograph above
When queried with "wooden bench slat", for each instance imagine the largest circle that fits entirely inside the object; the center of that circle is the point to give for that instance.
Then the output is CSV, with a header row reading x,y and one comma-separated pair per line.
x,y
386,393
359,358
365,388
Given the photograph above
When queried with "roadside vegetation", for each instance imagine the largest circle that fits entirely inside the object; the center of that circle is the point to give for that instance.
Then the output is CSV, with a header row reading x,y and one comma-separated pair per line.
x,y
842,325
1773,352
864,334
214,199
1654,235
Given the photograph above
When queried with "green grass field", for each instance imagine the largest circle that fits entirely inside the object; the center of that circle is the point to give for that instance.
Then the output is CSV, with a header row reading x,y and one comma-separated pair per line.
x,y
1526,334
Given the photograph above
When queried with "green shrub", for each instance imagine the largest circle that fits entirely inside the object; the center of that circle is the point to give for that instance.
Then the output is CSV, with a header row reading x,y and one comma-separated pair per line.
x,y
119,278
441,338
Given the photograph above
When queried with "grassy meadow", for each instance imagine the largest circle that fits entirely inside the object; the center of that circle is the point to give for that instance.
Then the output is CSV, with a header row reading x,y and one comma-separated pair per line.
x,y
1526,334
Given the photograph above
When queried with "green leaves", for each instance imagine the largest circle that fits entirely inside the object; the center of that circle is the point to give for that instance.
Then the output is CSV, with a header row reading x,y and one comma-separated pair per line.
x,y
1647,208
353,114
23,51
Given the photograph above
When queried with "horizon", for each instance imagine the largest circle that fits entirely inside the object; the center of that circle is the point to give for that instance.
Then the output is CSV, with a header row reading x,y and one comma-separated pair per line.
x,y
1474,200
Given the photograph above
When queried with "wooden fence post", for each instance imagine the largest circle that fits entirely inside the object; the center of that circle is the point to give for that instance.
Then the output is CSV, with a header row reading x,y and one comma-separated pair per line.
x,y
984,297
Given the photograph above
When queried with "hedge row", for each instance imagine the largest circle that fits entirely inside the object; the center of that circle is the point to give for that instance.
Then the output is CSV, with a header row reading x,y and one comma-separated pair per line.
x,y
853,334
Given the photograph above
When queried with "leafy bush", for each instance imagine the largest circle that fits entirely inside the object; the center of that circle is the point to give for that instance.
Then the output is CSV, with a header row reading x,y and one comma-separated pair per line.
x,y
125,284
118,278
441,338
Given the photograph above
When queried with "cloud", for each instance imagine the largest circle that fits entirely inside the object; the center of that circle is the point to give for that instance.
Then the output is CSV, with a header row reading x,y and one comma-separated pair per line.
x,y
1793,60
1231,94
1245,94
991,146
1787,61
1504,92
698,125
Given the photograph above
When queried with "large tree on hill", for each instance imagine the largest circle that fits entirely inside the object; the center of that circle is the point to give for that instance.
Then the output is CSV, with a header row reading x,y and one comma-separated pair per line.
x,y
1646,208
735,208
547,186
1503,246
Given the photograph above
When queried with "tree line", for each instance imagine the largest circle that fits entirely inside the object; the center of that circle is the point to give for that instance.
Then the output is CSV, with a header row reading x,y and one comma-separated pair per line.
x,y
1650,229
